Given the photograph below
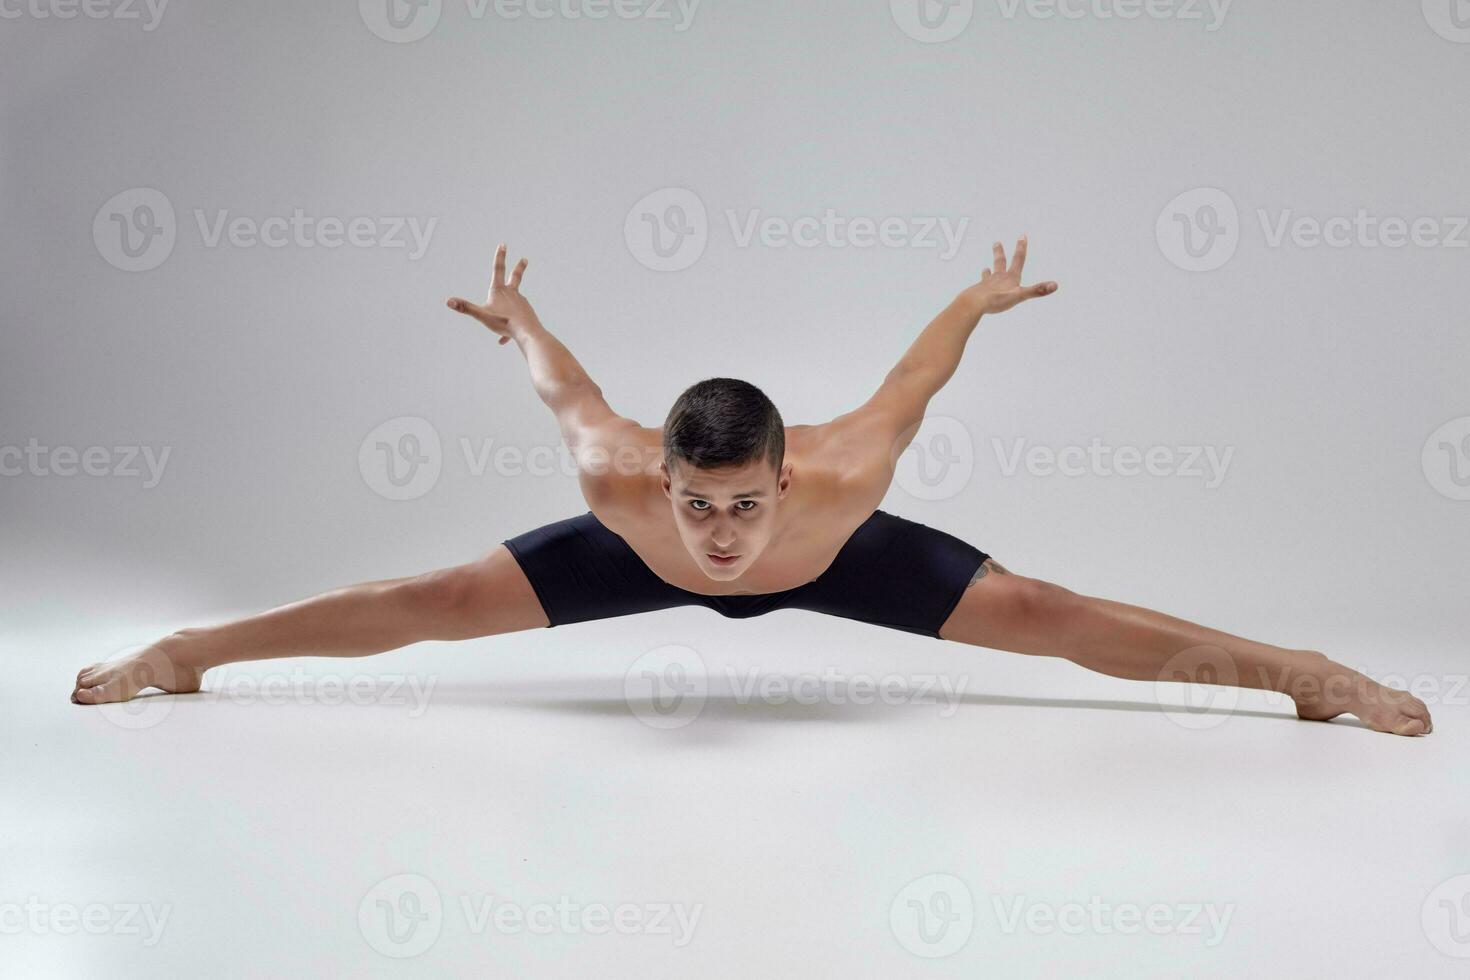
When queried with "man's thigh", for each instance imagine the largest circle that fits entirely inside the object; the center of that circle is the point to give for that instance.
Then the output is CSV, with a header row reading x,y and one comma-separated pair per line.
x,y
1005,611
482,598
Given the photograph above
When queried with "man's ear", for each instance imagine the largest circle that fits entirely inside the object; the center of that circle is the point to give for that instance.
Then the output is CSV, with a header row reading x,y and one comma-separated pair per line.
x,y
783,479
664,479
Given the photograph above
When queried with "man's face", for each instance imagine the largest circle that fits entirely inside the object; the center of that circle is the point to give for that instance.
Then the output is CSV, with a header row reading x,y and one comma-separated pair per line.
x,y
730,511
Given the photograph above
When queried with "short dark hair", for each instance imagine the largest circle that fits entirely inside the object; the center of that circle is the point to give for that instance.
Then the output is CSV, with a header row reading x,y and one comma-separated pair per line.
x,y
723,422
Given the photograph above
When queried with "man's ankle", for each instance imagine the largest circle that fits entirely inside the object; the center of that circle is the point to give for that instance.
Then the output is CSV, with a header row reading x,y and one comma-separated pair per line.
x,y
189,647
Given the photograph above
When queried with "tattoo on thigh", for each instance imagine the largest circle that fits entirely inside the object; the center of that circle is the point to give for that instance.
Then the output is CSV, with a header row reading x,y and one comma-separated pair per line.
x,y
986,566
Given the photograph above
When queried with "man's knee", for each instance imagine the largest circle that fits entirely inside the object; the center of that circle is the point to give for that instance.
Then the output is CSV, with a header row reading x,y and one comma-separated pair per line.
x,y
445,592
1037,602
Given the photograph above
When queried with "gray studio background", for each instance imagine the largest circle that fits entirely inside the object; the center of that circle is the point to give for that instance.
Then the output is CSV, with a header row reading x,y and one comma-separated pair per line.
x,y
1140,155
263,369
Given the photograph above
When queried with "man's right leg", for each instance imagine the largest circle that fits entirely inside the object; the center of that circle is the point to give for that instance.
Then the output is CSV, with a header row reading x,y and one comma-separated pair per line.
x,y
481,598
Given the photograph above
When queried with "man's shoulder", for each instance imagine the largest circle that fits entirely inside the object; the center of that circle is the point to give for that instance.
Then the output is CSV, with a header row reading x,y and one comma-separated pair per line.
x,y
845,450
845,461
617,467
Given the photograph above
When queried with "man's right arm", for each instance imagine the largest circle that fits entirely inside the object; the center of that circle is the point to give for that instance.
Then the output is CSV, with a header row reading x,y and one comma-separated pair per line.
x,y
593,431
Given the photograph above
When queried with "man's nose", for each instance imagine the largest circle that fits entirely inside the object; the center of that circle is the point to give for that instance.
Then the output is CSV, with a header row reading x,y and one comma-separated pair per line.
x,y
723,536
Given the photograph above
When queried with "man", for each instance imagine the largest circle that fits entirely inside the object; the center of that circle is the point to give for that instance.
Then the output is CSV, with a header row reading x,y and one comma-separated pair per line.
x,y
726,507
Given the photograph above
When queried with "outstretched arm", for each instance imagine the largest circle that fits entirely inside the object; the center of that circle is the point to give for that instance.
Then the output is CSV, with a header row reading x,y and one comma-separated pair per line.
x,y
897,408
556,375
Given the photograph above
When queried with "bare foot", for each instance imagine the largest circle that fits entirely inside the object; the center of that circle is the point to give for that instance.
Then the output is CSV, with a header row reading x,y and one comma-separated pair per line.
x,y
161,665
1337,690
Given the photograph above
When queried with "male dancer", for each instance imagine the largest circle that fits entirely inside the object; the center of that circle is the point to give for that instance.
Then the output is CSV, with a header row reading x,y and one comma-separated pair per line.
x,y
727,507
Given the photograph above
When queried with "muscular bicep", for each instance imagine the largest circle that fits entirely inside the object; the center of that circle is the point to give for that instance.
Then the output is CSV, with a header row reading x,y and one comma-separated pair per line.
x,y
582,412
616,460
893,414
874,435
860,451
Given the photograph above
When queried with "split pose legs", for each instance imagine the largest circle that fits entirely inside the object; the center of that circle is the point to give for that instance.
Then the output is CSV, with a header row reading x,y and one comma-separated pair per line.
x,y
999,610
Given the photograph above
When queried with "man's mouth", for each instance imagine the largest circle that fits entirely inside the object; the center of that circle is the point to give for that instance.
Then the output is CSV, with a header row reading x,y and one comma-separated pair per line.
x,y
721,559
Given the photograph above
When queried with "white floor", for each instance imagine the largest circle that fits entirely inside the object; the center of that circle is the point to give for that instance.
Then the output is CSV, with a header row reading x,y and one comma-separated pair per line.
x,y
1051,822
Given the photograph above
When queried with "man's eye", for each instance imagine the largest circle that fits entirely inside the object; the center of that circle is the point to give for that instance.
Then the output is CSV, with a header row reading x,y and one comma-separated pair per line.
x,y
696,504
741,504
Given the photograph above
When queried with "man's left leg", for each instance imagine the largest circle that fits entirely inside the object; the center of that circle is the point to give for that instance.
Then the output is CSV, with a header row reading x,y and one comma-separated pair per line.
x,y
1004,611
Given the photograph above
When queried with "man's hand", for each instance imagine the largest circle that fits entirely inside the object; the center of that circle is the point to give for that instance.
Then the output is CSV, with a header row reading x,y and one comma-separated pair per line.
x,y
1000,287
504,308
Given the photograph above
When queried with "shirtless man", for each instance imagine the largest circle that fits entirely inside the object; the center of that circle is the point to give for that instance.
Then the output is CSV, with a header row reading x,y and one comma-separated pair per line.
x,y
724,506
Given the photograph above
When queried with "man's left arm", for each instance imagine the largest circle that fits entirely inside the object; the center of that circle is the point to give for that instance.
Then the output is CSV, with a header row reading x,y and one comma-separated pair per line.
x,y
893,414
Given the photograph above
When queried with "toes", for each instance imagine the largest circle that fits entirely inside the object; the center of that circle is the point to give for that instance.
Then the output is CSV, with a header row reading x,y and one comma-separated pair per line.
x,y
96,694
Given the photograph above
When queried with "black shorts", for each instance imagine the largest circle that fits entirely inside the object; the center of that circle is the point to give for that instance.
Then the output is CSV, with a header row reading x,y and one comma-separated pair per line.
x,y
891,572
